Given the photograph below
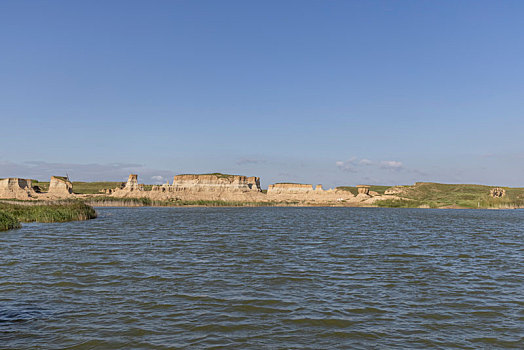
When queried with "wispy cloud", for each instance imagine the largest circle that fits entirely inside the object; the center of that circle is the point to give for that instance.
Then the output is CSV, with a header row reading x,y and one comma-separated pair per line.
x,y
249,161
158,179
391,164
348,165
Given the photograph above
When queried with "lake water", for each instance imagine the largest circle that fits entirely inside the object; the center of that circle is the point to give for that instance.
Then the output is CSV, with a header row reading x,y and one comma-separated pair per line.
x,y
265,278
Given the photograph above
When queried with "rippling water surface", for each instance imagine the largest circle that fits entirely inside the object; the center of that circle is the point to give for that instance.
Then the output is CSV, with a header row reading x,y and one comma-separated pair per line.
x,y
265,278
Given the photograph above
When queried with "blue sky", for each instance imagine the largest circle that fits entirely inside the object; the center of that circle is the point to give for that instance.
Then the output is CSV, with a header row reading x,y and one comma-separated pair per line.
x,y
331,92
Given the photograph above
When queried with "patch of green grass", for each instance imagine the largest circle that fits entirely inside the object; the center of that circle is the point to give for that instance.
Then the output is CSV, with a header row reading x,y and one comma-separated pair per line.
x,y
62,212
40,186
437,195
94,187
80,187
8,221
400,203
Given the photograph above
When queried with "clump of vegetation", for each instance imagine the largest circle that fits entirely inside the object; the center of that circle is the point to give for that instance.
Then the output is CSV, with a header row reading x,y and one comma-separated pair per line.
x,y
146,202
8,221
55,212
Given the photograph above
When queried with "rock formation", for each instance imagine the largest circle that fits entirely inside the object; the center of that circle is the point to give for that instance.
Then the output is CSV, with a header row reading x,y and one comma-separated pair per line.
x,y
363,189
222,187
197,187
132,183
216,182
497,192
60,187
305,192
395,190
15,188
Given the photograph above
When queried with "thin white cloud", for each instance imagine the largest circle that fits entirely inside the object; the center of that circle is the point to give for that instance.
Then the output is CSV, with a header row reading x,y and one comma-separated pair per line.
x,y
348,165
391,164
248,161
158,179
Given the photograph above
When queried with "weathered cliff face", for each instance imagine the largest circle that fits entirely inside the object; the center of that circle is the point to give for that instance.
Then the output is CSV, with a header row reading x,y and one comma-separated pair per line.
x,y
132,183
212,187
363,189
16,188
60,187
197,187
305,192
216,182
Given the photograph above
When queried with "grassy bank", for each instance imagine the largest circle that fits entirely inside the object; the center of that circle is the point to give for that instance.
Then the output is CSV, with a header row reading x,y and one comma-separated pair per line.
x,y
12,214
146,202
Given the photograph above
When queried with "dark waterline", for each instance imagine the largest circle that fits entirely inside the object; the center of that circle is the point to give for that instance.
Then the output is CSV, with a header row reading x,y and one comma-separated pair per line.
x,y
159,278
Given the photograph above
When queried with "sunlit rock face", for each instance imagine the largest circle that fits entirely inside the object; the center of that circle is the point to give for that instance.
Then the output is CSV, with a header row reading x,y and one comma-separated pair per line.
x,y
60,187
363,189
289,188
305,193
132,183
16,188
207,187
216,182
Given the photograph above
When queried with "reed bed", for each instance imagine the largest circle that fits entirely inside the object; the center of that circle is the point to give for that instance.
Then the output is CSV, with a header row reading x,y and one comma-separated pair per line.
x,y
12,214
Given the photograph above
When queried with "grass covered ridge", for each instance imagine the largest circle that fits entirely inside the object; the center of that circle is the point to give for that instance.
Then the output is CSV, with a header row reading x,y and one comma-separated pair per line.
x,y
435,195
145,202
56,212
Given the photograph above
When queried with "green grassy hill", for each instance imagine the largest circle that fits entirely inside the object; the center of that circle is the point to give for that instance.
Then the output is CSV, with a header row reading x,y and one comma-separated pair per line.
x,y
436,195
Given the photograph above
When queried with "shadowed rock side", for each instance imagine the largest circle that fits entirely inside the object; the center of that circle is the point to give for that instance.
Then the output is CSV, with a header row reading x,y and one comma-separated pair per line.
x,y
15,188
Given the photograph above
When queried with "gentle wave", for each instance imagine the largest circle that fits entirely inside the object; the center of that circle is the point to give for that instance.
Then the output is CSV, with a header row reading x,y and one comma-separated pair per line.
x,y
264,278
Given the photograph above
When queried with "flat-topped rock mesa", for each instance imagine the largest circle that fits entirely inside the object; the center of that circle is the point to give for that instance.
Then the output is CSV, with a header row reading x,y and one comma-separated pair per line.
x,y
216,182
196,187
363,192
305,192
15,188
60,187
